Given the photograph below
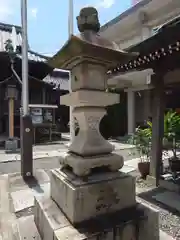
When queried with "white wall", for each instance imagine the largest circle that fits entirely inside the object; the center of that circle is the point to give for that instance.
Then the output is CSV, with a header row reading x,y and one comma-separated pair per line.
x,y
130,30
143,105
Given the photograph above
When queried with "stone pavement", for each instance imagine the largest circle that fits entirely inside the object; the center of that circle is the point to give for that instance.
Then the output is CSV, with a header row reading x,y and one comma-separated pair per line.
x,y
39,152
47,156
55,149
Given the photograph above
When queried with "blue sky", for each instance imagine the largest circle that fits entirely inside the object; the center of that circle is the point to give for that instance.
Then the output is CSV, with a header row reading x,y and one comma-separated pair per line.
x,y
47,19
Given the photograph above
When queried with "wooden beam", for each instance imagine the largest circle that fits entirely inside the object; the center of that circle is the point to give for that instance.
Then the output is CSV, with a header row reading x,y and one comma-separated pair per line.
x,y
139,88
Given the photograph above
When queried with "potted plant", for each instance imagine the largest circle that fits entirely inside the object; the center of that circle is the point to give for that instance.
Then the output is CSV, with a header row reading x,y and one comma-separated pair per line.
x,y
142,141
172,137
171,141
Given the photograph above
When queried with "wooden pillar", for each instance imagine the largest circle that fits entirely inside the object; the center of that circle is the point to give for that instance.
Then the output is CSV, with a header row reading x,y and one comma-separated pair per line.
x,y
11,118
11,95
43,95
1,124
131,111
157,126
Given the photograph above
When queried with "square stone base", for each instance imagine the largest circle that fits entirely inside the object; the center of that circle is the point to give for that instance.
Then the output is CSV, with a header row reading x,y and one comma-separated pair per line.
x,y
84,199
139,222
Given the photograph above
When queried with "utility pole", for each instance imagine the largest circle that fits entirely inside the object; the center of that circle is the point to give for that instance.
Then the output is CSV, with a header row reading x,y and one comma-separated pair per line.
x,y
26,122
70,32
71,16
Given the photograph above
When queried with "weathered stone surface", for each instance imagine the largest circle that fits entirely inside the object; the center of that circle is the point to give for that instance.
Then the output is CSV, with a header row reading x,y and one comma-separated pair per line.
x,y
16,182
89,141
75,234
98,204
128,224
129,232
69,233
89,76
24,198
149,227
81,200
8,224
27,229
48,218
82,166
53,225
84,98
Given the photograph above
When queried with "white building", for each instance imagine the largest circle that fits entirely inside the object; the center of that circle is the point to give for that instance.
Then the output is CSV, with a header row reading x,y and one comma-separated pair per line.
x,y
130,28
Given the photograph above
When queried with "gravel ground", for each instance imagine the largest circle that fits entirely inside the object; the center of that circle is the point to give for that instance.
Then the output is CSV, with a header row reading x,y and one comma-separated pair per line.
x,y
169,219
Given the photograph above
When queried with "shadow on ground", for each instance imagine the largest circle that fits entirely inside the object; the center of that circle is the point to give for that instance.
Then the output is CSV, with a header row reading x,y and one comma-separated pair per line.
x,y
148,196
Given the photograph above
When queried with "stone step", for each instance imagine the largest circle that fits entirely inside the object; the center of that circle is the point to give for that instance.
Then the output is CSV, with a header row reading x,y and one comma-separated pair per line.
x,y
48,218
22,195
53,225
24,199
27,229
8,224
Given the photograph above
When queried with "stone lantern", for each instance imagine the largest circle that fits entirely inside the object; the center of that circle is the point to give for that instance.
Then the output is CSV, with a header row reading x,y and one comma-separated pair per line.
x,y
90,197
89,57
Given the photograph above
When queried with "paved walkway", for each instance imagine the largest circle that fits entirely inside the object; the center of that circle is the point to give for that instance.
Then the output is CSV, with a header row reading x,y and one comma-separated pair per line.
x,y
39,152
48,155
56,149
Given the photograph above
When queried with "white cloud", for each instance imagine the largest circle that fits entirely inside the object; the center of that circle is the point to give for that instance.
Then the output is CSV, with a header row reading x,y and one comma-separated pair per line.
x,y
105,3
98,4
33,12
6,9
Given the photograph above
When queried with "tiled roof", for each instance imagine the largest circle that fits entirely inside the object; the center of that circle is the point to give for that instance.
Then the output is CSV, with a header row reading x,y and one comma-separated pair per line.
x,y
8,27
11,32
59,78
14,33
33,56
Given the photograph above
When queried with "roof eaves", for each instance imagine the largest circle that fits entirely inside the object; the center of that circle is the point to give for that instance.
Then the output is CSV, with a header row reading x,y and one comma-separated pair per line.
x,y
124,14
39,55
8,27
172,23
32,55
